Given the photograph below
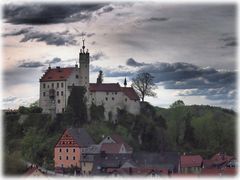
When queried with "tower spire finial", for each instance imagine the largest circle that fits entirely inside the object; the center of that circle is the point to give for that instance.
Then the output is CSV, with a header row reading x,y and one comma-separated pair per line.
x,y
83,47
125,82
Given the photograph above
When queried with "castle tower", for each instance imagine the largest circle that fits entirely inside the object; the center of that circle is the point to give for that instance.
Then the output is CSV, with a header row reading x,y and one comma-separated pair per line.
x,y
84,66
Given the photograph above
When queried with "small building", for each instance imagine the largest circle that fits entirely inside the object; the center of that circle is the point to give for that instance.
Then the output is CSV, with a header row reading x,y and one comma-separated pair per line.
x,y
34,171
191,164
115,144
68,149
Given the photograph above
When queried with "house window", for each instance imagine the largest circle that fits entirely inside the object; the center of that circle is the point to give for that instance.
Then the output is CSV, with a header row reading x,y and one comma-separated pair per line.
x,y
52,85
60,150
66,150
73,150
44,93
113,98
73,157
61,84
66,157
106,98
57,93
44,85
57,85
59,101
76,76
61,93
60,157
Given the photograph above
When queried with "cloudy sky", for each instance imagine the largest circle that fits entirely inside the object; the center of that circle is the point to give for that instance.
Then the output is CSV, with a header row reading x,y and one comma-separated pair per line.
x,y
190,49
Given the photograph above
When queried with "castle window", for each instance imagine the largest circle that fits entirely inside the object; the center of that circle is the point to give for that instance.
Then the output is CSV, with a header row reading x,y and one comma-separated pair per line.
x,y
116,93
73,150
112,98
61,93
112,93
47,86
59,101
73,157
44,85
44,93
61,84
126,99
66,150
60,150
62,109
60,157
57,93
52,85
85,77
106,98
107,93
57,85
92,99
66,157
76,76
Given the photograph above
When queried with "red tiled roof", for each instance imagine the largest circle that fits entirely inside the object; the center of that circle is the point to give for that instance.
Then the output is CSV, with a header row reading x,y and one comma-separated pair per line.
x,y
190,161
111,148
118,139
106,87
31,170
130,93
221,158
219,172
138,171
57,74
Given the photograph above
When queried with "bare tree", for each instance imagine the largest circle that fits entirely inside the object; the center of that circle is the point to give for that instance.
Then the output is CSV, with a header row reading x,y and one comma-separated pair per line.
x,y
144,85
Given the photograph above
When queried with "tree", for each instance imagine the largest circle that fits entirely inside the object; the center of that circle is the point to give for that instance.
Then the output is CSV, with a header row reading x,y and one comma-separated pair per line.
x,y
100,77
144,85
177,103
77,106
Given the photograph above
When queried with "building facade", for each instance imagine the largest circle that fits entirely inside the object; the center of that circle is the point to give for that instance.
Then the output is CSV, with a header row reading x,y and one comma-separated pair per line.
x,y
56,85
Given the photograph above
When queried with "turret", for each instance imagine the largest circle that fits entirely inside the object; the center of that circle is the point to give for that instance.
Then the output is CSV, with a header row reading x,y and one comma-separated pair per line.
x,y
84,66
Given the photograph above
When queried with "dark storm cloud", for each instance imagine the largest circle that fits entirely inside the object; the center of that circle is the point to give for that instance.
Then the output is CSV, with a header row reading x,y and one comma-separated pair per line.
x,y
53,61
229,41
18,76
40,14
31,64
105,10
109,72
157,19
132,62
18,32
198,81
97,56
9,99
64,38
57,39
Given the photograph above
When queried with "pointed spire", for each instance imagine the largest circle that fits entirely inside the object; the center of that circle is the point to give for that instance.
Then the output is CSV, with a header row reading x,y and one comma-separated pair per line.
x,y
125,82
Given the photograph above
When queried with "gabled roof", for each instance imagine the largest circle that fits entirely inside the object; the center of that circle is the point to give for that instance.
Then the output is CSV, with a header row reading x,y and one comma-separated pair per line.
x,y
130,93
111,148
118,139
221,158
106,87
191,161
81,136
57,74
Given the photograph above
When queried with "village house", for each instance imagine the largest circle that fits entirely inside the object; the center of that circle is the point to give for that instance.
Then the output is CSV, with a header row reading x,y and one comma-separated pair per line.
x,y
68,149
190,164
56,85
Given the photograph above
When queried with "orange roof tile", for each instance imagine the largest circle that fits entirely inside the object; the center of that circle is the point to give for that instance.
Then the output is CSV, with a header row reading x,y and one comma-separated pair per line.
x,y
57,74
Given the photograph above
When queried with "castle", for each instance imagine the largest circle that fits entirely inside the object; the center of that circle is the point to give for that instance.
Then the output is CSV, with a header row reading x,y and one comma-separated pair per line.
x,y
56,85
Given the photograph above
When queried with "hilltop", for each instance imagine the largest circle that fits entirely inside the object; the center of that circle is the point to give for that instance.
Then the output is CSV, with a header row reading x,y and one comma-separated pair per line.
x,y
193,129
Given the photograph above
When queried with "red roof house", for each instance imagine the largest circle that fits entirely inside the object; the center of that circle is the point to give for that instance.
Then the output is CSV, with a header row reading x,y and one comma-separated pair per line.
x,y
190,163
